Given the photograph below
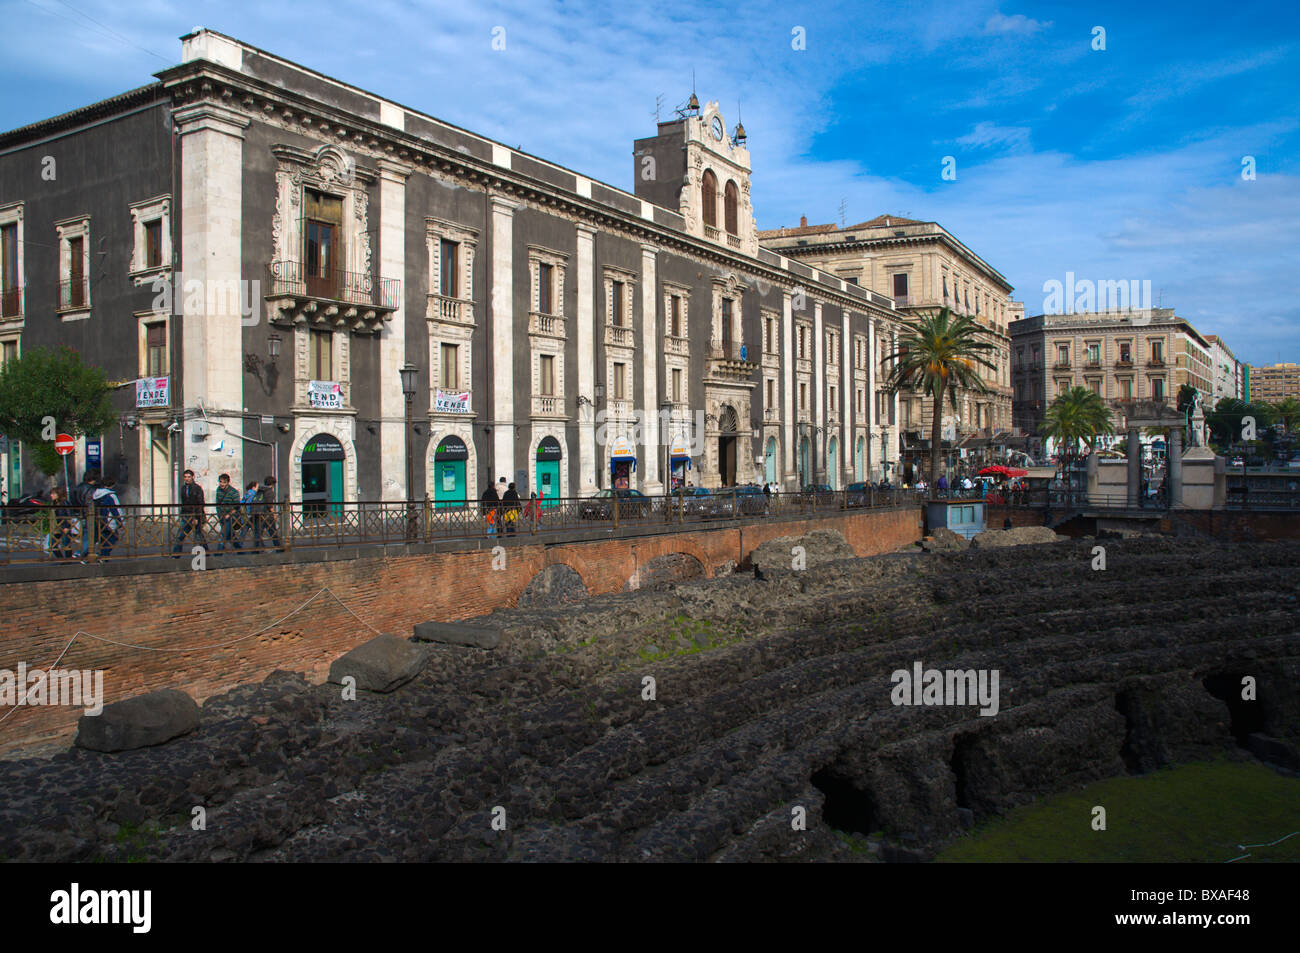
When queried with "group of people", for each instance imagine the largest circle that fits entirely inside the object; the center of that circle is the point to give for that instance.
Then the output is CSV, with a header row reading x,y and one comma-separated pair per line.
x,y
500,506
68,525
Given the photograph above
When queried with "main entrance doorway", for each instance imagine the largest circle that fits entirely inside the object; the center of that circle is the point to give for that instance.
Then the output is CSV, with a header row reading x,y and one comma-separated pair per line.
x,y
769,461
322,476
727,446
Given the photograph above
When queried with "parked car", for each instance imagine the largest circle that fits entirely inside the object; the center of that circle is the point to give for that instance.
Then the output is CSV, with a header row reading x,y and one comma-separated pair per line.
x,y
821,492
631,504
749,499
1237,462
859,494
695,500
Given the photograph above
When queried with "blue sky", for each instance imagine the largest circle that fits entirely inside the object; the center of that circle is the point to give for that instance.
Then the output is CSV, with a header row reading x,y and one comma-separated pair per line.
x,y
1122,163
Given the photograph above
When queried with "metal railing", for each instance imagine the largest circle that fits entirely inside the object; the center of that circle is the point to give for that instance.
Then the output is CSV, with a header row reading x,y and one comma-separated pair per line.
x,y
92,535
74,293
350,287
11,302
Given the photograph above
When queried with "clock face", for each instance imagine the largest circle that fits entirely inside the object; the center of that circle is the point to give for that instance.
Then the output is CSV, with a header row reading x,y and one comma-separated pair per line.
x,y
717,128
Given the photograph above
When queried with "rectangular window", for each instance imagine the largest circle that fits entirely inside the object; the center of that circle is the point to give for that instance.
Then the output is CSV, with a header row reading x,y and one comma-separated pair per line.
x,y
900,285
448,259
153,243
1126,389
852,281
76,272
450,367
616,300
1157,350
1063,354
803,396
545,276
620,381
675,323
832,400
771,394
677,384
324,215
155,343
8,351
1094,353
726,325
546,374
1158,388
320,346
10,285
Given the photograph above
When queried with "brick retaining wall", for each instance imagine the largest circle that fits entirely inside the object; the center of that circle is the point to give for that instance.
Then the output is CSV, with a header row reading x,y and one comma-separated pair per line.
x,y
195,611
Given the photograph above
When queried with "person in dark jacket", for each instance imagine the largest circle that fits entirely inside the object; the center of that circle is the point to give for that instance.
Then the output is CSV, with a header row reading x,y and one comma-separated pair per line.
x,y
245,518
266,521
488,508
81,496
192,504
510,508
227,500
108,517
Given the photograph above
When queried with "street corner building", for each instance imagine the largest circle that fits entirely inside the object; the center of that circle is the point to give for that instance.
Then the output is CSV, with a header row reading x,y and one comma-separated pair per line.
x,y
253,252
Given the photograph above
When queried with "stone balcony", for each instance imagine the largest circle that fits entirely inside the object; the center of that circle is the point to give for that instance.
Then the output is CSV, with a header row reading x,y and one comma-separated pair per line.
x,y
677,346
616,335
450,310
548,405
546,325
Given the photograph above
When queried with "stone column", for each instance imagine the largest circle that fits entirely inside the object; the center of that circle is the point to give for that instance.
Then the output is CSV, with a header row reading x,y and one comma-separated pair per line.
x,y
1174,466
819,399
790,412
392,340
1134,468
211,207
502,335
586,359
652,449
848,406
873,432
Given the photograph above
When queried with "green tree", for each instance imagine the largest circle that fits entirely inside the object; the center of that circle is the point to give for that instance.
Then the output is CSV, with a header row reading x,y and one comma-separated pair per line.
x,y
936,355
45,383
1076,418
1288,412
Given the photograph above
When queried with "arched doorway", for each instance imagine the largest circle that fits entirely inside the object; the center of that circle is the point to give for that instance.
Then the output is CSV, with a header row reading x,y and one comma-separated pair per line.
x,y
769,461
322,476
860,460
727,446
805,462
833,463
449,485
549,455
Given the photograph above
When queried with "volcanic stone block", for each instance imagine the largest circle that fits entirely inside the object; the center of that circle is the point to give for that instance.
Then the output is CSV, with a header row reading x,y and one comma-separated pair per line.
x,y
139,722
380,665
459,633
1020,536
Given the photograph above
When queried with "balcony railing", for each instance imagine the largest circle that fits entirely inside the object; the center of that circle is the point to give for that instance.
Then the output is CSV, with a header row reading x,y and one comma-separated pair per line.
x,y
452,310
712,233
620,408
903,301
677,345
1061,366
618,336
550,325
11,302
547,405
733,241
74,293
349,287
731,351
1156,362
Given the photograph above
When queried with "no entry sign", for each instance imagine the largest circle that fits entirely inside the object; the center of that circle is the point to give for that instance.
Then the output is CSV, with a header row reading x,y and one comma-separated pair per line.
x,y
64,444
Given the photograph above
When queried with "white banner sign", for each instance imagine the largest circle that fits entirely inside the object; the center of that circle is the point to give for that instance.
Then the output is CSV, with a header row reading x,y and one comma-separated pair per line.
x,y
151,392
450,402
327,395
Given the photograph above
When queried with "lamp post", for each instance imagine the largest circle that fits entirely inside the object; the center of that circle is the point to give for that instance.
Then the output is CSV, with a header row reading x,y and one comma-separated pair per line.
x,y
409,379
665,435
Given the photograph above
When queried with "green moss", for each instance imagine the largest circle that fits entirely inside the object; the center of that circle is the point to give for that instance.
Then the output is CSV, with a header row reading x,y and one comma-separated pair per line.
x,y
1193,813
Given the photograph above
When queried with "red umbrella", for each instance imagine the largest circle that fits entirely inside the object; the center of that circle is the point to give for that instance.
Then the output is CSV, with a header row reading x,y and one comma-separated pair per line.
x,y
1000,470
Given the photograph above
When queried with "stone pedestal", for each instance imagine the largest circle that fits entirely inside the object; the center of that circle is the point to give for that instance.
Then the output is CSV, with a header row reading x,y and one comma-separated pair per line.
x,y
1198,480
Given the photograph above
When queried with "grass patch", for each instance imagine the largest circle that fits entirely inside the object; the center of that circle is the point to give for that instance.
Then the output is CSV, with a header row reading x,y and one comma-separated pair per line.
x,y
1192,813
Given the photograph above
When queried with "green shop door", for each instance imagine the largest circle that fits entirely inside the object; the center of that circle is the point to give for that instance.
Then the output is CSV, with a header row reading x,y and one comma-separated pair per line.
x,y
549,455
449,487
322,477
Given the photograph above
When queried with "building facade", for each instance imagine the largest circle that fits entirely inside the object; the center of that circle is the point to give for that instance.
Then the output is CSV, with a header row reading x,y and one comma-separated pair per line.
x,y
1226,377
1123,356
254,251
922,267
1272,383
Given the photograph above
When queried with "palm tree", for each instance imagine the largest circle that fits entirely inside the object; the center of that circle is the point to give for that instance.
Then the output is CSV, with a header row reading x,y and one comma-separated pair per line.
x,y
1079,416
1288,411
937,355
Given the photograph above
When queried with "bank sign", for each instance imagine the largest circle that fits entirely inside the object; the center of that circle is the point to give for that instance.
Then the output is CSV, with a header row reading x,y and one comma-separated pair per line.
x,y
451,402
327,395
151,392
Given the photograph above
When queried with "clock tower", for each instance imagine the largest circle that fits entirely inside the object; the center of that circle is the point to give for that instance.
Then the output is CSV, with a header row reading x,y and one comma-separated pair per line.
x,y
699,168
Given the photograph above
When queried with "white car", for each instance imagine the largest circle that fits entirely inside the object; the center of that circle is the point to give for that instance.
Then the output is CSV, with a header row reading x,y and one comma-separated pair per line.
x,y
1237,462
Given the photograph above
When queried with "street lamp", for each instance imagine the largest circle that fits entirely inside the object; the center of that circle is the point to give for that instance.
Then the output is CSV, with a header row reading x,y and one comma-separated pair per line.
x,y
409,380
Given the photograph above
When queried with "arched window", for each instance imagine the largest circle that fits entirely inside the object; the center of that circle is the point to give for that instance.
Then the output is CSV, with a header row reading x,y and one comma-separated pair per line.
x,y
709,198
730,200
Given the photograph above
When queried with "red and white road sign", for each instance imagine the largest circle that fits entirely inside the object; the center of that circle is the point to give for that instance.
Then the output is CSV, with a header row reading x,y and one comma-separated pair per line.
x,y
64,444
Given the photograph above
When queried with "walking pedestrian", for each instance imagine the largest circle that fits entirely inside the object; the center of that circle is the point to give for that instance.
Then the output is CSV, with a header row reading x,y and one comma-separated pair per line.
x,y
56,527
533,510
270,523
511,508
227,499
192,504
79,500
108,517
246,516
488,508
942,485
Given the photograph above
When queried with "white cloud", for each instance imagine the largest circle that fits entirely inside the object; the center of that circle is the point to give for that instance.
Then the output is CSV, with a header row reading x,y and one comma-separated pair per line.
x,y
987,135
1016,23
